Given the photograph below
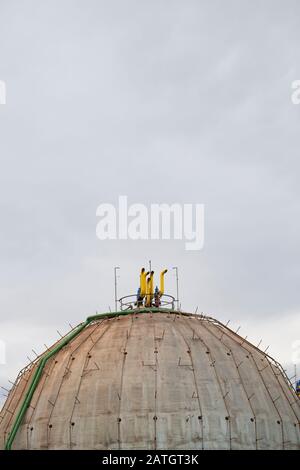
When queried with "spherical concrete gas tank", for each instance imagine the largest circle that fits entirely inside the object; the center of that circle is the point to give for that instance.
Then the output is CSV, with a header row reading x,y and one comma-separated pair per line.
x,y
155,380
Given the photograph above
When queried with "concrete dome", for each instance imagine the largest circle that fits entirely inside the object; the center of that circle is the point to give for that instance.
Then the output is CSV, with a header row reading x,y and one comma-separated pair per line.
x,y
155,381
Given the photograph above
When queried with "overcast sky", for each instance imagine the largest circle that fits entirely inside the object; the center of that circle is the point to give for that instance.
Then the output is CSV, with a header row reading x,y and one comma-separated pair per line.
x,y
163,101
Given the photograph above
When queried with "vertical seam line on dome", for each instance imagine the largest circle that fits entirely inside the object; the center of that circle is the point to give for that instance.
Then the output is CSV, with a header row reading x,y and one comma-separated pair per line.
x,y
268,358
30,373
122,378
248,398
196,387
280,417
241,380
38,399
89,337
263,381
222,394
68,361
76,400
287,400
217,377
98,325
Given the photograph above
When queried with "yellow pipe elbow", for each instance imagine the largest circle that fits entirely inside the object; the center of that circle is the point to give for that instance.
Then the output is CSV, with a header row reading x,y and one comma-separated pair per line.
x,y
162,282
145,282
151,284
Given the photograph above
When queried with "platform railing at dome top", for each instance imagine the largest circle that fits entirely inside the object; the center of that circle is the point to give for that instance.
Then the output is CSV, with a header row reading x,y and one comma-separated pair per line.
x,y
130,302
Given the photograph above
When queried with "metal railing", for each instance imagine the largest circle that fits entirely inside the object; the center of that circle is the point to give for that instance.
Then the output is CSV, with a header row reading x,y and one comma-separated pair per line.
x,y
131,302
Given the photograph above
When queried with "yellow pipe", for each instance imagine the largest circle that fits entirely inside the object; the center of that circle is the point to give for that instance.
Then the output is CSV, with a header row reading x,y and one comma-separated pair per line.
x,y
151,286
162,282
148,296
142,284
145,283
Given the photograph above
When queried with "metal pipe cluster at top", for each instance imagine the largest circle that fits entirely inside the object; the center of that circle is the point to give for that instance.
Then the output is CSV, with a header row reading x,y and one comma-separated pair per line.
x,y
146,295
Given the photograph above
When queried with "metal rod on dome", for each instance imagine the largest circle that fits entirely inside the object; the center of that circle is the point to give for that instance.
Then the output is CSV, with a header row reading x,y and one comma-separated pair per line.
x,y
116,292
150,269
177,287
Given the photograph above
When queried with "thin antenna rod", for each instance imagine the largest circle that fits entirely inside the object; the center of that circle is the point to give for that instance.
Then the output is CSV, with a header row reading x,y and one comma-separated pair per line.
x,y
177,286
116,291
150,268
